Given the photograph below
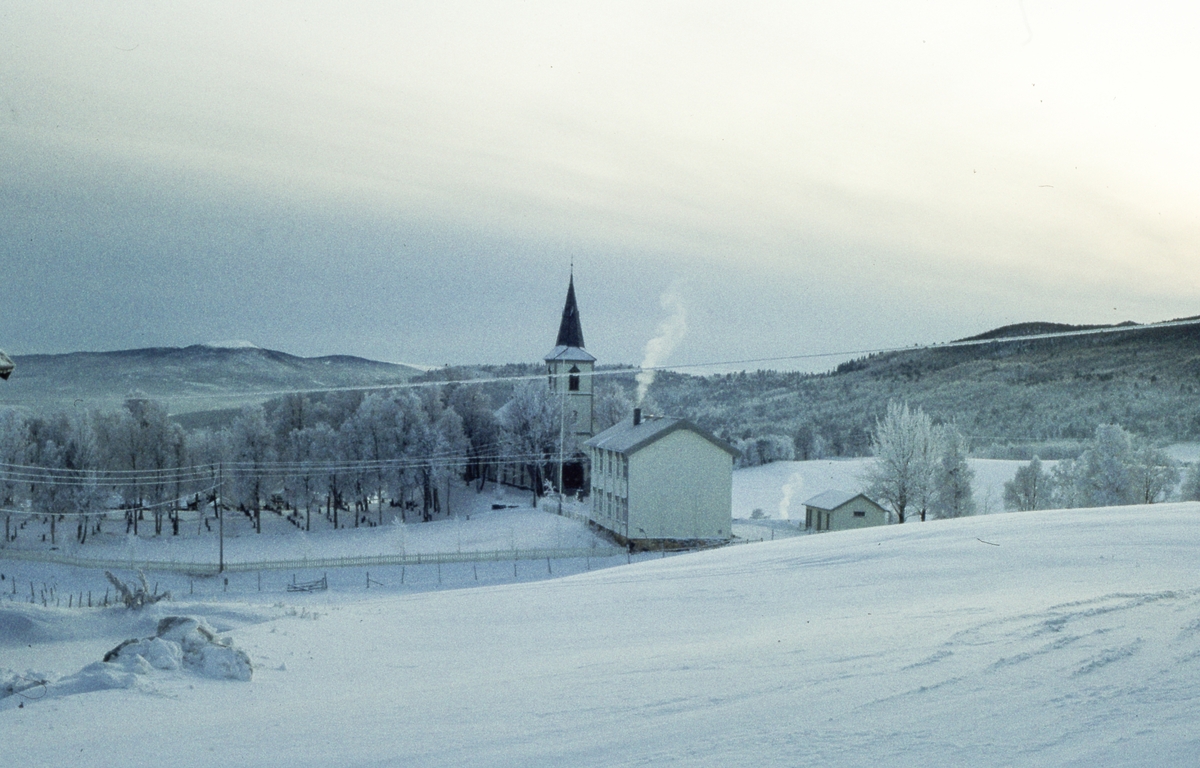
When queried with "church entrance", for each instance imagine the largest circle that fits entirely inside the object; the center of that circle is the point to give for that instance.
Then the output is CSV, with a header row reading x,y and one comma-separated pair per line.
x,y
573,477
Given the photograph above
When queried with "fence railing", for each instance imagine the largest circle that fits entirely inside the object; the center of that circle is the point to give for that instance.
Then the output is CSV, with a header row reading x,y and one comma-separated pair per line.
x,y
358,561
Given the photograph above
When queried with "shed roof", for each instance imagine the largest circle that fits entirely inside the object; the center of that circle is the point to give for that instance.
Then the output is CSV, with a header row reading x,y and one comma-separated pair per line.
x,y
831,500
625,437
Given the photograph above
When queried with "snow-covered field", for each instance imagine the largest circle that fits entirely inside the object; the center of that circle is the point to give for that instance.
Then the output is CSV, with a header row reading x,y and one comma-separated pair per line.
x,y
778,491
1040,638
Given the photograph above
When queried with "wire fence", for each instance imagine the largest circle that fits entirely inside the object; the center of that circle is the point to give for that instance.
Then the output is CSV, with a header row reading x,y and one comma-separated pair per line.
x,y
210,568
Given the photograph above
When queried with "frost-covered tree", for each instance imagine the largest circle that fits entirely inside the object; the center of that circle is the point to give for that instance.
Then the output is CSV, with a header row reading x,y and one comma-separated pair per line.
x,y
755,451
1155,474
1114,468
903,444
252,451
1190,490
80,458
301,485
145,444
927,474
1067,486
532,428
1031,487
611,404
1106,468
481,428
953,495
207,451
14,441
326,451
375,435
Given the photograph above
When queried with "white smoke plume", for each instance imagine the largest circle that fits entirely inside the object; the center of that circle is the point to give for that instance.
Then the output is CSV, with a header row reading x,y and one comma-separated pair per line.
x,y
670,332
794,484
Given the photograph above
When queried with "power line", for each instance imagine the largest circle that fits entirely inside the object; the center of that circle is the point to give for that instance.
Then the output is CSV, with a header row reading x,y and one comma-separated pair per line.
x,y
57,476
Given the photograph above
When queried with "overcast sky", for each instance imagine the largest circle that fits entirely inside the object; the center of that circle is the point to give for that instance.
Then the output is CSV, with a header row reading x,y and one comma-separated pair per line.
x,y
411,181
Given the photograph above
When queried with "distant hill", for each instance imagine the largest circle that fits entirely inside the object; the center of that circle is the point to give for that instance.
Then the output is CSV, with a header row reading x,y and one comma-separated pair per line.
x,y
1021,392
1002,389
190,380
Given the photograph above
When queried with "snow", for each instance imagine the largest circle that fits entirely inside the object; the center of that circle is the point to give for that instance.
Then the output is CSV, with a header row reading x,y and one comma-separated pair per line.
x,y
231,344
1039,638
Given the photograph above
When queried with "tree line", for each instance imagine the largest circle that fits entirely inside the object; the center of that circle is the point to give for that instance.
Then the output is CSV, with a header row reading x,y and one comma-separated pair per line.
x,y
920,468
1115,468
349,456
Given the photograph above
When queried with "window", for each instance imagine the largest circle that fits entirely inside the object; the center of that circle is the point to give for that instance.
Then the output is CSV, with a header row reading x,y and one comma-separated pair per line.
x,y
859,513
573,379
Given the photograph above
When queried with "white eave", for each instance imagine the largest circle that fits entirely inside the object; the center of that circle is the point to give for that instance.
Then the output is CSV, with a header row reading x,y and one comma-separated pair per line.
x,y
570,355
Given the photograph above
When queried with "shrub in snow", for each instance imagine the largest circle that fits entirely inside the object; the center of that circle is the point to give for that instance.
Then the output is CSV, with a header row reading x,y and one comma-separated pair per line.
x,y
135,596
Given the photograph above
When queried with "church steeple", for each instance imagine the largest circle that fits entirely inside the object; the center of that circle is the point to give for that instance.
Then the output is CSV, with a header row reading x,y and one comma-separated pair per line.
x,y
570,368
570,331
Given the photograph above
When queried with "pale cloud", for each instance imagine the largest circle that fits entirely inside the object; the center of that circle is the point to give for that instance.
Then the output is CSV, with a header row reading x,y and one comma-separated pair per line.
x,y
1007,153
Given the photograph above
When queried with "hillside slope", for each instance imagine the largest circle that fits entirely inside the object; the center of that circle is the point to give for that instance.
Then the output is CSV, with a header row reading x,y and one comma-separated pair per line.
x,y
1027,639
188,379
1146,379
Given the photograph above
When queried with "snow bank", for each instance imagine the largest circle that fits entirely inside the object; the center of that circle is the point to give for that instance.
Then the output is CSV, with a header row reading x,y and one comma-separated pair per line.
x,y
181,644
184,641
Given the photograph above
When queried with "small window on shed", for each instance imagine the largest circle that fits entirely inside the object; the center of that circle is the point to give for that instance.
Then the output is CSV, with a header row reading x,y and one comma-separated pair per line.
x,y
859,513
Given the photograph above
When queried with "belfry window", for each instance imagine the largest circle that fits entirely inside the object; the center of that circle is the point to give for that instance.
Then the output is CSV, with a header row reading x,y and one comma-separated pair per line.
x,y
573,379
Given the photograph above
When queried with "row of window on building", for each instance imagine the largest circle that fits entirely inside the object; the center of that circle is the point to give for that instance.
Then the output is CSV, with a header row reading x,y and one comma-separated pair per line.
x,y
611,463
610,506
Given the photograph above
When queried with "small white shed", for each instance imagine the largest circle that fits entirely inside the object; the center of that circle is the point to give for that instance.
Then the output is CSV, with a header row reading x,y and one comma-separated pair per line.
x,y
661,479
842,510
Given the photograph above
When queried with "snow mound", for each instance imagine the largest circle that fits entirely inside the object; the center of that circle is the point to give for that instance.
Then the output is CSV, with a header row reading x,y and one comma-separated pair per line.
x,y
180,644
188,642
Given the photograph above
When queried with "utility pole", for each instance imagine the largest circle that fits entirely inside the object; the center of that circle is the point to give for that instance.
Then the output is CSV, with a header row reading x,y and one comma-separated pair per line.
x,y
562,436
220,519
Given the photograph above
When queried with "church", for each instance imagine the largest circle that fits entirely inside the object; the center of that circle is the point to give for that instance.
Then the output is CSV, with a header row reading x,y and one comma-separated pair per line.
x,y
651,482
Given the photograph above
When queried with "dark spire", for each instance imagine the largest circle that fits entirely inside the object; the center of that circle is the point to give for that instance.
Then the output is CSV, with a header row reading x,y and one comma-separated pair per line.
x,y
570,332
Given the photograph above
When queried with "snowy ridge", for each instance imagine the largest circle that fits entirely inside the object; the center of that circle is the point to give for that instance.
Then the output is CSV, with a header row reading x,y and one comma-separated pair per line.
x,y
1042,638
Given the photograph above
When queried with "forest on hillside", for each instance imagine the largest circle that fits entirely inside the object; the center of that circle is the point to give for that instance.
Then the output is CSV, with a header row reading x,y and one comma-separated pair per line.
x,y
1010,399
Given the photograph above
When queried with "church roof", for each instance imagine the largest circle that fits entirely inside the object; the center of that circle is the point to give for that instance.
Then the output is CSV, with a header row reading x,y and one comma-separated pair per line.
x,y
570,332
569,355
626,437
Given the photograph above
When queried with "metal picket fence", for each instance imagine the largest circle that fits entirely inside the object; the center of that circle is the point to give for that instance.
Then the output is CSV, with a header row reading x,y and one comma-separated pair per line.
x,y
208,568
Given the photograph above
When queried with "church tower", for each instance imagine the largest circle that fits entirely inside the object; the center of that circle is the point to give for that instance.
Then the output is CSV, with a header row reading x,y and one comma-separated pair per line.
x,y
570,368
